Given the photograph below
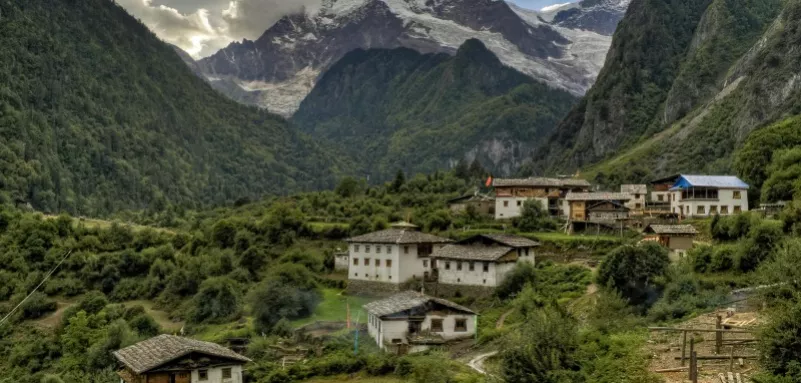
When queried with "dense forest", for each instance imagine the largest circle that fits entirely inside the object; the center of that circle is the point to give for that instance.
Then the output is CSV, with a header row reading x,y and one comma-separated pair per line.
x,y
399,109
98,115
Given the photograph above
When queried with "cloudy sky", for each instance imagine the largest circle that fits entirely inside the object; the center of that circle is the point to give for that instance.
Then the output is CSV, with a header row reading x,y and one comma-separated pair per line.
x,y
202,27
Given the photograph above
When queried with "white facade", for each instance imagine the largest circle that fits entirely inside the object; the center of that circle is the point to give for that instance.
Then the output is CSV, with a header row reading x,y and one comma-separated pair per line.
x,y
479,273
396,331
341,262
729,201
511,207
388,263
215,374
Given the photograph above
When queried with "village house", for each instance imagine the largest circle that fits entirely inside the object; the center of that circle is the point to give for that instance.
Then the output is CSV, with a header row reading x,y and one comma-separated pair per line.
x,y
341,260
677,238
510,194
482,260
384,259
704,196
412,322
638,195
480,203
174,359
660,191
598,207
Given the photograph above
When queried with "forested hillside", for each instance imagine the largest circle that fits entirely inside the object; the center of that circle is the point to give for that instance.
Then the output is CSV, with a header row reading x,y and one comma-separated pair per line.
x,y
678,92
399,109
97,115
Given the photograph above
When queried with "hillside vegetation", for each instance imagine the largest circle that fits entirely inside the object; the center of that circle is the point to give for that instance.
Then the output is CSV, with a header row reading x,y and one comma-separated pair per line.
x,y
98,115
399,109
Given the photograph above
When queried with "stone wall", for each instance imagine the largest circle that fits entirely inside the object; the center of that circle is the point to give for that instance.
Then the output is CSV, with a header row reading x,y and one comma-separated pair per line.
x,y
371,288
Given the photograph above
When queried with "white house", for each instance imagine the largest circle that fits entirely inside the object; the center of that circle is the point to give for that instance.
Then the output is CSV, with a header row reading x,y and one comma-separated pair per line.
x,y
704,196
638,195
482,260
511,194
602,207
392,256
174,359
411,322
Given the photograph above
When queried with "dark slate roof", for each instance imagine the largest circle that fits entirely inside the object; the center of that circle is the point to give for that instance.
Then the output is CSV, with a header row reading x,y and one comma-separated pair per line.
x,y
671,229
509,240
723,182
598,196
398,236
539,181
408,300
154,352
472,252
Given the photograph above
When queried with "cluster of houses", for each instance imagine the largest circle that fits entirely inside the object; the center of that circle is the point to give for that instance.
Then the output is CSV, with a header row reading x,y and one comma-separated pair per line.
x,y
683,196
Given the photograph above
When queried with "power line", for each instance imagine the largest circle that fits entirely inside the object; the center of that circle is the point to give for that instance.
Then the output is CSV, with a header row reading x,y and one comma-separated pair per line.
x,y
37,287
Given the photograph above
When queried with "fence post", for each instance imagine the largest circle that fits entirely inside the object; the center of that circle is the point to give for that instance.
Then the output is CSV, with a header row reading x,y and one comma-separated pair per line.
x,y
718,335
683,346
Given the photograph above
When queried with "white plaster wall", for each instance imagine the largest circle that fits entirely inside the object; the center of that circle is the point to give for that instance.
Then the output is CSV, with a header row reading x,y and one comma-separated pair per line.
x,y
215,375
513,209
501,270
391,330
725,198
342,262
449,325
465,277
373,272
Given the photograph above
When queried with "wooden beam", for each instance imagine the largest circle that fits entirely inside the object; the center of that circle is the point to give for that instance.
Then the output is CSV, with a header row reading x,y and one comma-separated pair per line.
x,y
701,330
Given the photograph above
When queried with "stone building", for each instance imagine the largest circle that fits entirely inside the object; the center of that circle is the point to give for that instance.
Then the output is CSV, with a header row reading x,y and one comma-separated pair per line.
x,y
174,359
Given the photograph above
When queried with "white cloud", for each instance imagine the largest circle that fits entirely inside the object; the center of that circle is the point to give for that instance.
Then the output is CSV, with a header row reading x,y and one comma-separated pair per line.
x,y
203,32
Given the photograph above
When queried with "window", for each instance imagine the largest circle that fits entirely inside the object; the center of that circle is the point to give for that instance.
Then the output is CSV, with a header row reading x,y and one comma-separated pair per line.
x,y
738,210
355,261
226,373
638,206
505,203
406,250
389,263
367,261
461,325
472,266
389,249
356,274
425,263
519,203
203,375
378,249
436,325
636,196
486,267
526,252
390,277
458,280
376,276
724,210
366,248
737,194
660,198
485,281
396,341
713,209
355,248
701,210
447,265
459,266
688,209
377,262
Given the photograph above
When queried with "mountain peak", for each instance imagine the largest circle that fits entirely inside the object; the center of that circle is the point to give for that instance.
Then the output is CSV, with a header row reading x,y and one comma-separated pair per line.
x,y
473,50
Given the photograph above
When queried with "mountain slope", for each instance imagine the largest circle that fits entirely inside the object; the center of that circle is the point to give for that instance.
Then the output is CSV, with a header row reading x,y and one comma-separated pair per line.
x,y
285,62
600,16
97,115
399,109
670,62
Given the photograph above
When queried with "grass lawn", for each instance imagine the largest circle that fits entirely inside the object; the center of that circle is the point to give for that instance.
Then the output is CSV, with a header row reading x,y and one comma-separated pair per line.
x,y
334,308
161,317
322,226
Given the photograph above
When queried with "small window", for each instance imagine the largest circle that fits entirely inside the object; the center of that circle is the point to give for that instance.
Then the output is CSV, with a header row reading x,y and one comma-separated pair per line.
x,y
505,203
701,210
459,266
355,248
377,262
406,250
396,341
378,249
376,276
526,252
389,263
447,265
638,206
519,203
367,248
738,210
390,277
724,210
636,196
737,194
367,261
203,375
687,208
713,209
436,325
660,198
425,263
486,267
389,249
461,325
485,281
226,373
356,274
355,261
472,266
458,280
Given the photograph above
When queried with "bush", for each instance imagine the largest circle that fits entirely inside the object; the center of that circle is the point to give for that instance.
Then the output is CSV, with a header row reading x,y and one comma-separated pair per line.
x,y
37,306
701,258
722,259
216,301
633,270
759,245
534,217
779,341
522,274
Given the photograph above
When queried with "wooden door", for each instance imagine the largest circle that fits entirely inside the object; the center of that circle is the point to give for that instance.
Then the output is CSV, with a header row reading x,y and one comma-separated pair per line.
x,y
182,377
158,378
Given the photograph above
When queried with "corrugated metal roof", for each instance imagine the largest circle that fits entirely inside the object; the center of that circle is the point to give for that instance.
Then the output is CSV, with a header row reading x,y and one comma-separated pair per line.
x,y
723,182
541,181
598,196
408,300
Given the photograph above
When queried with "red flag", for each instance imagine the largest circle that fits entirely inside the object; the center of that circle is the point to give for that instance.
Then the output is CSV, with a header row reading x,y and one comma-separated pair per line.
x,y
489,182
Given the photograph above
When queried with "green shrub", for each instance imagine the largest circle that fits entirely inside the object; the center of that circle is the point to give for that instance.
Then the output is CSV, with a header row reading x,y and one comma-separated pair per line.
x,y
36,306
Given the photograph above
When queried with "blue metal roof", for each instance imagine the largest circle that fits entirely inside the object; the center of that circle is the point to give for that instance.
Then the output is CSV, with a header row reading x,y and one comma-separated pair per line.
x,y
722,182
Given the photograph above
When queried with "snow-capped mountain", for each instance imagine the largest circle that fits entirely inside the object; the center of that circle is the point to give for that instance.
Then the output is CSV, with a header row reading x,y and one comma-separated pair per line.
x,y
283,65
600,16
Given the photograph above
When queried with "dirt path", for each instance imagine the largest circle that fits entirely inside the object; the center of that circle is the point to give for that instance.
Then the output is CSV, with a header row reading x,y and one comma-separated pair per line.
x,y
477,363
54,319
503,317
